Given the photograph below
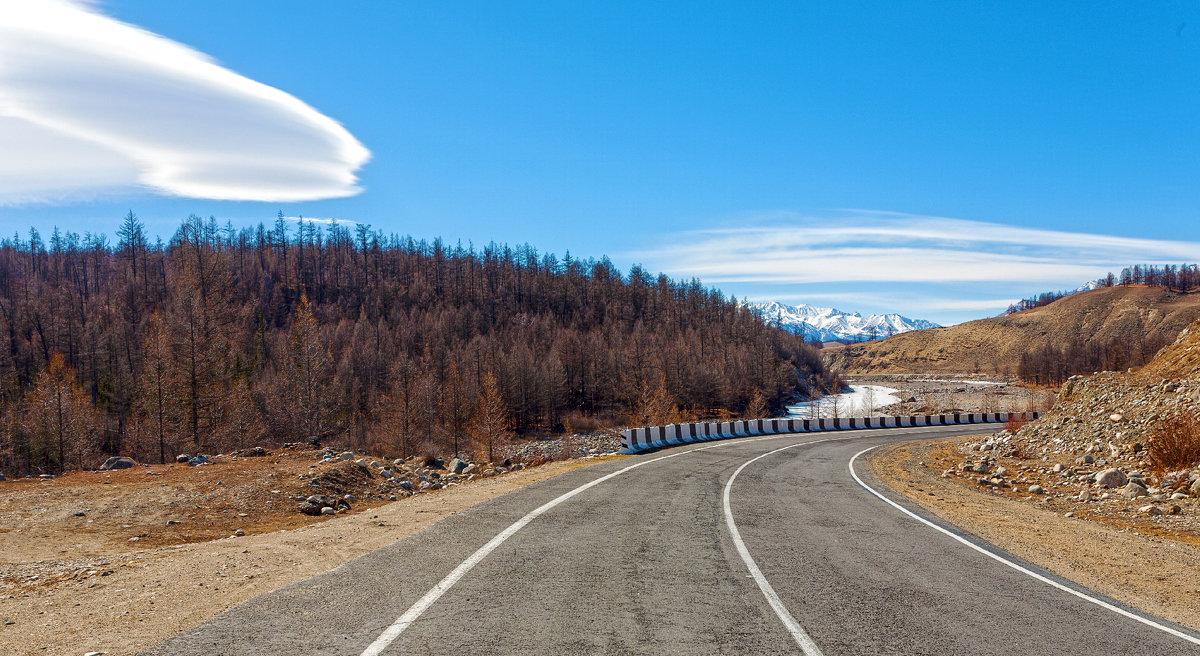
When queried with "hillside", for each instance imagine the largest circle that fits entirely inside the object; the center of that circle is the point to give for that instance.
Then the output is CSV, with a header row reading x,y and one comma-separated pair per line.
x,y
221,339
1117,326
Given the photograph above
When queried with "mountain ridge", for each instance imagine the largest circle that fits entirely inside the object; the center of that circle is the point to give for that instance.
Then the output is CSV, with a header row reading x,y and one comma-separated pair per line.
x,y
832,325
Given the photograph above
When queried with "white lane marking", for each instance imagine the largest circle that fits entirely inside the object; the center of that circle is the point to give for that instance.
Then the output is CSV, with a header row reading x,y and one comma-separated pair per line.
x,y
393,632
1048,581
801,637
404,621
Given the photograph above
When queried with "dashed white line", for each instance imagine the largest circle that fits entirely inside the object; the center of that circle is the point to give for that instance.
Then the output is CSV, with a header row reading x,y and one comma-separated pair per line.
x,y
1025,570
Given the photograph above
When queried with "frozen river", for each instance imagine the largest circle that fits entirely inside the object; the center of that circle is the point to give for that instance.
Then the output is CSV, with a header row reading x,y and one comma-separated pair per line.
x,y
860,401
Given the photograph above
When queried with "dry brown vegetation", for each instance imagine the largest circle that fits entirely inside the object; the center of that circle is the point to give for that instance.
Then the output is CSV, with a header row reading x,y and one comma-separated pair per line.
x,y
1139,320
221,339
1175,443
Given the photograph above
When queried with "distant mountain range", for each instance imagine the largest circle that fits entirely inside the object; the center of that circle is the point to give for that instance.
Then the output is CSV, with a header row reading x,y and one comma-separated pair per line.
x,y
830,325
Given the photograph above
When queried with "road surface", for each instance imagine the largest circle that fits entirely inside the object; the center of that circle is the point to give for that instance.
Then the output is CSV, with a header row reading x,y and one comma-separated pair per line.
x,y
762,545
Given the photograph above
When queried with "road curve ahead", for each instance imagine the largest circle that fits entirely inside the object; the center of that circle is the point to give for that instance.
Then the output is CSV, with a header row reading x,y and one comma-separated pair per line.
x,y
763,545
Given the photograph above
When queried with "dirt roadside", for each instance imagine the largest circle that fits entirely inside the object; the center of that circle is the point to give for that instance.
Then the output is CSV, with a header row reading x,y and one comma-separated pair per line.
x,y
1153,573
124,602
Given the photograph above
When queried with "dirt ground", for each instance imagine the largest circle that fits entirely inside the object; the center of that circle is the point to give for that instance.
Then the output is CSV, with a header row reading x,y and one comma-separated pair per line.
x,y
1149,563
89,561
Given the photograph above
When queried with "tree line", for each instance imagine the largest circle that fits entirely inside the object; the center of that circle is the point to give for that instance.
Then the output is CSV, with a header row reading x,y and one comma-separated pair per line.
x,y
222,338
1180,278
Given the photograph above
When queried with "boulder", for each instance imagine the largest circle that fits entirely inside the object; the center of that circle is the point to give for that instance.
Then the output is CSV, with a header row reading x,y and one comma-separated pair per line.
x,y
1133,491
1037,489
328,511
183,457
1150,510
1112,477
347,455
118,463
309,508
456,466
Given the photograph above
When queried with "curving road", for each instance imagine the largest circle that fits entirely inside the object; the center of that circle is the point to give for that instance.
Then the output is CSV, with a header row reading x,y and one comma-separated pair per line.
x,y
762,545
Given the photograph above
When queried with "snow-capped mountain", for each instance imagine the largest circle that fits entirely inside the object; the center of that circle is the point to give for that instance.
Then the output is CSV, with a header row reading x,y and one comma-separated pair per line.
x,y
830,325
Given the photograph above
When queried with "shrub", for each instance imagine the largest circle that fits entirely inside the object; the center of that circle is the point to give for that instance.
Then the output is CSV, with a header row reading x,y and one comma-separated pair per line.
x,y
1016,420
1175,442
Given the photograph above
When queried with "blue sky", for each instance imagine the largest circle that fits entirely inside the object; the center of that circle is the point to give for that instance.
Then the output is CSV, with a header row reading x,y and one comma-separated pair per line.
x,y
951,156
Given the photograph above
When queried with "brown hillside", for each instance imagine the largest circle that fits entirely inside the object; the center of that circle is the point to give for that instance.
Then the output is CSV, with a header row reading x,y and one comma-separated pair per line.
x,y
1153,315
1179,360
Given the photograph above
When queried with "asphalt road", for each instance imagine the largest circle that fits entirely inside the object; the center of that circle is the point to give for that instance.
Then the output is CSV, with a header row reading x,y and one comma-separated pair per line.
x,y
646,562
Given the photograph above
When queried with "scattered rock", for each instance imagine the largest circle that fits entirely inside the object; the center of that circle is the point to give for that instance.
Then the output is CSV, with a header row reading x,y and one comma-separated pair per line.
x,y
183,457
328,511
1037,489
119,462
1150,510
1111,478
1133,491
347,455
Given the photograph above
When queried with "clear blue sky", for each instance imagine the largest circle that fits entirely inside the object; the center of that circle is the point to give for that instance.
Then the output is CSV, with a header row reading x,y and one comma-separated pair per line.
x,y
634,129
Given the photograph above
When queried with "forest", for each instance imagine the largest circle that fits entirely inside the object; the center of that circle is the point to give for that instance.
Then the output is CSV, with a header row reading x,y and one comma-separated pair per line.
x,y
224,338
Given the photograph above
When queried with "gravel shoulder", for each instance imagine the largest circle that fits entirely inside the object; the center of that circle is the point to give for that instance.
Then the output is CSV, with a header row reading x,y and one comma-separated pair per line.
x,y
124,600
1148,570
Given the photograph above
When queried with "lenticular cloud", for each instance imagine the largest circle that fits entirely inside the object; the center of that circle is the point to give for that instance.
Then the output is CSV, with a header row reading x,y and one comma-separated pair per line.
x,y
89,104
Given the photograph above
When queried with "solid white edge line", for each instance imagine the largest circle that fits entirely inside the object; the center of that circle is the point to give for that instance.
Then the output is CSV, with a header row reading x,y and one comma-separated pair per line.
x,y
798,633
1020,568
398,627
393,632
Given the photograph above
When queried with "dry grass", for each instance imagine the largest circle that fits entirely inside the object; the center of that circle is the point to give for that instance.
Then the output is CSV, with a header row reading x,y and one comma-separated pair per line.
x,y
1175,443
994,346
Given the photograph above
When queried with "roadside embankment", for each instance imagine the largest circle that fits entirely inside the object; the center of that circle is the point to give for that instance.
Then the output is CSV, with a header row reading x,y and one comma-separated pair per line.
x,y
1145,561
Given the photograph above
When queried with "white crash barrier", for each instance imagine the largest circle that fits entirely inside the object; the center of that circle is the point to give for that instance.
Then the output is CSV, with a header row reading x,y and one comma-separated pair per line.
x,y
634,440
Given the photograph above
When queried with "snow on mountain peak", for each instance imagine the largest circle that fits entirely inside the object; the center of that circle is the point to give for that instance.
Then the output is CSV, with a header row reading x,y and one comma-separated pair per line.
x,y
830,324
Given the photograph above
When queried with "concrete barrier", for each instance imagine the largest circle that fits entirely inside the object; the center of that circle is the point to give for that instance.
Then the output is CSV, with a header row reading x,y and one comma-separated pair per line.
x,y
634,440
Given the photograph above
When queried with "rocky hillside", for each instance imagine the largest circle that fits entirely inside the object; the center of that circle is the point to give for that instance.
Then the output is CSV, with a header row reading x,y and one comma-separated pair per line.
x,y
1096,443
1142,317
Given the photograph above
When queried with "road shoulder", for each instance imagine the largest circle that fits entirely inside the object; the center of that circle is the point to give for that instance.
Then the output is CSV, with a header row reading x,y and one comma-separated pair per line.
x,y
144,597
1152,574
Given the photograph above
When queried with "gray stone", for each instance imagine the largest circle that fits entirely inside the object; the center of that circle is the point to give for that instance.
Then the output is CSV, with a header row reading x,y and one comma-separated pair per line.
x,y
118,463
1037,489
183,457
309,508
456,466
1150,510
1133,491
328,511
1111,478
1088,459
981,468
347,455
1178,495
239,533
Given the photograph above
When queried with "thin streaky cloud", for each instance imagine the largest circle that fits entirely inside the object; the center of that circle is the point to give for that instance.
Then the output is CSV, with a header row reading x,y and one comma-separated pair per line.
x,y
89,104
870,247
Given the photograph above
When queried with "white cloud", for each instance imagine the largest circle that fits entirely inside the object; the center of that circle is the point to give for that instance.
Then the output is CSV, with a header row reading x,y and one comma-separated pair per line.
x,y
860,246
89,104
324,221
942,269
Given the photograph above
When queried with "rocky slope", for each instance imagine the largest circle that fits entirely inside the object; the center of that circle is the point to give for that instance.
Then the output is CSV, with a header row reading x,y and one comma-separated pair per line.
x,y
1095,444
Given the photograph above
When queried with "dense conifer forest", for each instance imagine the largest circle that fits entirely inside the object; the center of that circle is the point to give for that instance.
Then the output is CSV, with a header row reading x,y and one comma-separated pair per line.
x,y
223,338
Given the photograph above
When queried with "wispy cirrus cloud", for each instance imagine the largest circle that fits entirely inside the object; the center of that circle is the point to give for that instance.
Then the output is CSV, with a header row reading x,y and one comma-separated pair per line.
x,y
945,267
89,104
